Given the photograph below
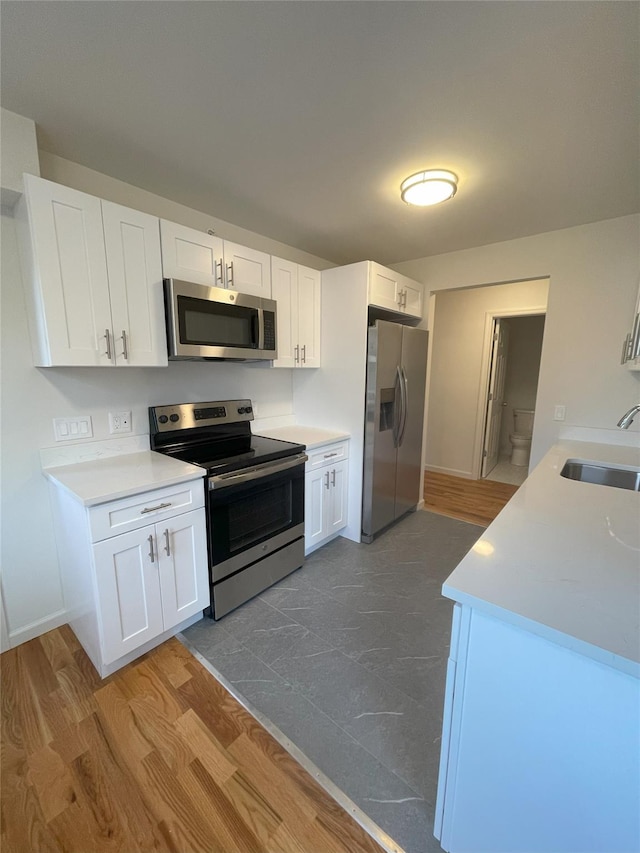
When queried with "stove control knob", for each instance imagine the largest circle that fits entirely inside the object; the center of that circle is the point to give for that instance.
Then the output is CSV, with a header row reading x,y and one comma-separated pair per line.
x,y
241,410
248,410
163,419
174,418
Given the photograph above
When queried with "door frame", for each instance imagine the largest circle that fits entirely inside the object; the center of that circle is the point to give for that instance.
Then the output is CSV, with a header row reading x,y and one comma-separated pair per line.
x,y
485,367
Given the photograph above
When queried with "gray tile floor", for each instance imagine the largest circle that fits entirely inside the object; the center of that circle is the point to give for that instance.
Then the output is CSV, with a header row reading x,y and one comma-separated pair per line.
x,y
347,657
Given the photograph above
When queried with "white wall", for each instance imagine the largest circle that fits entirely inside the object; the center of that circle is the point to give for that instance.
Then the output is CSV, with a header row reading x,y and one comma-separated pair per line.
x,y
458,340
523,366
593,271
32,397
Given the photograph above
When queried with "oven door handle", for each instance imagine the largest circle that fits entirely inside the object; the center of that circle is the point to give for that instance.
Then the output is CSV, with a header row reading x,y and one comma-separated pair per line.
x,y
220,481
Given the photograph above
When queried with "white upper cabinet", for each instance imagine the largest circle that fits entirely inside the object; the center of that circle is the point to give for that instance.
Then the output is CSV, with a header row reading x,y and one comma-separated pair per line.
x,y
94,279
631,346
394,292
297,290
134,268
191,255
247,270
202,258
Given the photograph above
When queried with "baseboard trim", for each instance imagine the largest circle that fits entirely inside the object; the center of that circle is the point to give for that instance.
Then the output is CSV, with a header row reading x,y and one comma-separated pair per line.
x,y
36,629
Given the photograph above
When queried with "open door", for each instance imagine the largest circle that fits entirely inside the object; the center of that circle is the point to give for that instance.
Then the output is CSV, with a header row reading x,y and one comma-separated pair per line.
x,y
495,400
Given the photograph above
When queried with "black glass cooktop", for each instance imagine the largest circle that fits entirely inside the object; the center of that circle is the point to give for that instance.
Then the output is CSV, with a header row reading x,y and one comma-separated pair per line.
x,y
234,454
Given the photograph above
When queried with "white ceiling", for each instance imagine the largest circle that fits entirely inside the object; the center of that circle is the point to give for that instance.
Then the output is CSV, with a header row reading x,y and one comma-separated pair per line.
x,y
298,120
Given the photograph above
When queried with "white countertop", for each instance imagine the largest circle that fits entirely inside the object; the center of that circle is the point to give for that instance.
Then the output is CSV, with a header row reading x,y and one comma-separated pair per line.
x,y
309,436
562,559
100,480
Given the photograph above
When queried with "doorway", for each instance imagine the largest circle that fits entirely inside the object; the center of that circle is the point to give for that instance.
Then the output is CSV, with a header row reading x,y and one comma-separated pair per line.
x,y
513,367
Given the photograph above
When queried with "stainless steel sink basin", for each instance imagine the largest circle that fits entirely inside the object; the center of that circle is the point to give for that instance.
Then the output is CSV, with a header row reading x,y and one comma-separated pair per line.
x,y
601,474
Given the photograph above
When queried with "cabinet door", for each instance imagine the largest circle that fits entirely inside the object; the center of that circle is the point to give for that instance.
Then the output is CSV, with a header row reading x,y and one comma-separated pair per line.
x,y
183,566
134,265
316,496
128,589
191,255
309,306
384,289
284,289
70,284
337,514
412,298
247,270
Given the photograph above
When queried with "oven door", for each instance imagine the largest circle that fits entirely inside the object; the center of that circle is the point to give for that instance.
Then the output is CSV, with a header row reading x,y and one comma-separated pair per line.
x,y
254,512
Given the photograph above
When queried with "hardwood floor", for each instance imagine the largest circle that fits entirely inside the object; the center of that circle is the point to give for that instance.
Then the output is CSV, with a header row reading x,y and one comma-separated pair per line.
x,y
477,501
157,757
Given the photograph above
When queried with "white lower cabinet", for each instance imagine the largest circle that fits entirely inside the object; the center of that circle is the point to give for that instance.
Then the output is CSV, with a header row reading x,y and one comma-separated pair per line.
x,y
326,488
149,581
134,570
540,743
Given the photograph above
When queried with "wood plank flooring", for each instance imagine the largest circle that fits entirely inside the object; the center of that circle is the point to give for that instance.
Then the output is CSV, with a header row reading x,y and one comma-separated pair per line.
x,y
477,501
157,757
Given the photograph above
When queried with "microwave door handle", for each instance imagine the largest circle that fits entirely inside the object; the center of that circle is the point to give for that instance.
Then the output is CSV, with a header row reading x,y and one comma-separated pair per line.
x,y
259,331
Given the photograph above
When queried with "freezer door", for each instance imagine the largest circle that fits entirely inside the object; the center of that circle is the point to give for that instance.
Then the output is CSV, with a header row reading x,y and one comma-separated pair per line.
x,y
382,423
413,369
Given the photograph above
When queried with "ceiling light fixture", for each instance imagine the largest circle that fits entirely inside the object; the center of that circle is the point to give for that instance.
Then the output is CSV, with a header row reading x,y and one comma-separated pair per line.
x,y
429,187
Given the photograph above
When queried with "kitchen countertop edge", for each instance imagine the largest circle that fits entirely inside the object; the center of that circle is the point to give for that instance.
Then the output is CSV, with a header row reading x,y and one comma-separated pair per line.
x,y
310,436
103,480
562,560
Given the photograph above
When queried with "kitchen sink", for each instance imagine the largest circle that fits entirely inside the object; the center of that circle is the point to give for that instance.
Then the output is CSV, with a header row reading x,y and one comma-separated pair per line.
x,y
601,474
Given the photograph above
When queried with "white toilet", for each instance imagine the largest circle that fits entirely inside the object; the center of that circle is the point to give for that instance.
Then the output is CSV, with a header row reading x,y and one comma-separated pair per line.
x,y
521,437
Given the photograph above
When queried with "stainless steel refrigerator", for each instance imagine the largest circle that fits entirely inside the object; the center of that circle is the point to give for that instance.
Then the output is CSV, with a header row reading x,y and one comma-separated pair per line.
x,y
394,417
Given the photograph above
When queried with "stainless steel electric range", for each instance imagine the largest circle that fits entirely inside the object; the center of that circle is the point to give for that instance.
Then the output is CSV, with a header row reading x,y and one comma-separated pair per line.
x,y
254,494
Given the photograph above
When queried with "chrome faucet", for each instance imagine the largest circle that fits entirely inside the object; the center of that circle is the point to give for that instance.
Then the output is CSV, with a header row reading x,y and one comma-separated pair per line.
x,y
627,419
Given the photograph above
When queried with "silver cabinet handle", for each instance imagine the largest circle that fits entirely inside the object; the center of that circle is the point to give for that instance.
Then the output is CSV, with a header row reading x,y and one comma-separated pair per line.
x,y
125,349
167,544
326,480
151,554
219,275
626,347
296,354
107,335
230,282
304,353
333,477
635,338
154,508
330,455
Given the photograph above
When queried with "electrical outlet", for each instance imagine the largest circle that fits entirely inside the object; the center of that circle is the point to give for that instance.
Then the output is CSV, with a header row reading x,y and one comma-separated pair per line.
x,y
119,422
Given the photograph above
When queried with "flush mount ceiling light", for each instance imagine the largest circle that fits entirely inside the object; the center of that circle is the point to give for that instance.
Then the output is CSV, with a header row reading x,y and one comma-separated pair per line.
x,y
429,187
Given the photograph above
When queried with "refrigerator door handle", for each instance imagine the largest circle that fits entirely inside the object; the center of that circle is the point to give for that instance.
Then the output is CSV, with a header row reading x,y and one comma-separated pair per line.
x,y
404,397
397,408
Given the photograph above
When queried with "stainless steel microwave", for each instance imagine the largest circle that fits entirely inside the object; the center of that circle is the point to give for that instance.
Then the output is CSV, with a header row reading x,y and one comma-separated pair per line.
x,y
210,322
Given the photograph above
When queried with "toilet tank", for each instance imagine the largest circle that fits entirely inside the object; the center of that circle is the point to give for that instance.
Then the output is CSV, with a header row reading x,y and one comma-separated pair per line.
x,y
523,421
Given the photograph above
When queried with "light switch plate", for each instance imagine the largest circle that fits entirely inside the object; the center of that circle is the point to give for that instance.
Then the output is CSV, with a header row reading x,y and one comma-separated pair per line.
x,y
559,413
72,429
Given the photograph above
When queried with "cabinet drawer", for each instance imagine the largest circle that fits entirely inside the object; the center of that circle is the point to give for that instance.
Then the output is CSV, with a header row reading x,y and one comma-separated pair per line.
x,y
115,517
327,454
